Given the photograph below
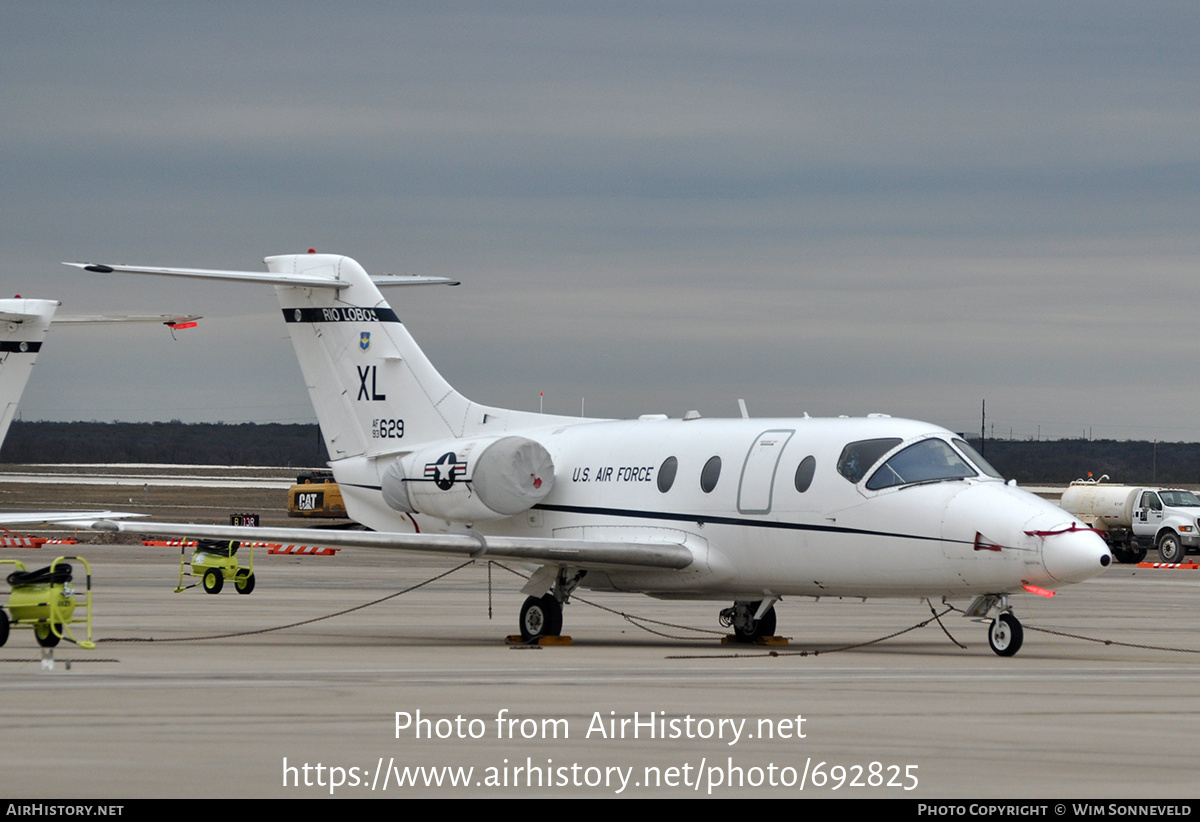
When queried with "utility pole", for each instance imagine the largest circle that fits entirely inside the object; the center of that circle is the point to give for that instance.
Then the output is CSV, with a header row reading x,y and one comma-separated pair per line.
x,y
983,429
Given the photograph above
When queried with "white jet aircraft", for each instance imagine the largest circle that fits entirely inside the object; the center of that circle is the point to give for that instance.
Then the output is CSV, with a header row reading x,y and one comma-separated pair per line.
x,y
748,510
23,326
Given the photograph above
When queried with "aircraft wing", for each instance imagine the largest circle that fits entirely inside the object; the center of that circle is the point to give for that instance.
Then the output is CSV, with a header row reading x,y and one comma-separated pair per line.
x,y
82,519
577,553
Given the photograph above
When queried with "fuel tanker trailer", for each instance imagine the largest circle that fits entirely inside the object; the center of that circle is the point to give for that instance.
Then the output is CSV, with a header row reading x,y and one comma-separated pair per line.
x,y
1134,518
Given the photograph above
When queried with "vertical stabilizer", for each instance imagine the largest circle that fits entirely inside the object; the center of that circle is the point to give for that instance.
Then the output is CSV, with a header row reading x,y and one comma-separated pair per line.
x,y
23,326
373,389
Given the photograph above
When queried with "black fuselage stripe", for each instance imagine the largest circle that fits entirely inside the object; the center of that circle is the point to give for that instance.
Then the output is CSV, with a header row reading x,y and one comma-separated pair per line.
x,y
738,521
340,314
15,347
735,521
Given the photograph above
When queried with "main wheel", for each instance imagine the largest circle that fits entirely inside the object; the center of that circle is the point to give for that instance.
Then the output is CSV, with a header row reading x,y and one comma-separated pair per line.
x,y
540,616
45,635
747,630
1006,635
1170,548
244,582
3,628
213,581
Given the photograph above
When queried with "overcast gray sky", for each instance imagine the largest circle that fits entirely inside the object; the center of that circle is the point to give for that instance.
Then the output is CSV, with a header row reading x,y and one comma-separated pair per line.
x,y
832,208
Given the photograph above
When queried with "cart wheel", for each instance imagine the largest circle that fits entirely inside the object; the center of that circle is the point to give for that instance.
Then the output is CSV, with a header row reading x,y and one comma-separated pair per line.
x,y
244,582
3,628
213,581
45,634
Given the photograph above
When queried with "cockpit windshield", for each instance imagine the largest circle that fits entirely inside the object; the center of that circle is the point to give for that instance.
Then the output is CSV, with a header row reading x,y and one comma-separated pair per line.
x,y
1179,499
926,461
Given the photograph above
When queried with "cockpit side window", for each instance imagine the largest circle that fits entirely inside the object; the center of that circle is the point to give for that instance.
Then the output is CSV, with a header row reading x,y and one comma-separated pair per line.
x,y
859,456
977,458
926,461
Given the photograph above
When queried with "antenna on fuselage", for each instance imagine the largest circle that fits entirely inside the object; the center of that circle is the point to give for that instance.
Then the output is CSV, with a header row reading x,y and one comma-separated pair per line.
x,y
742,405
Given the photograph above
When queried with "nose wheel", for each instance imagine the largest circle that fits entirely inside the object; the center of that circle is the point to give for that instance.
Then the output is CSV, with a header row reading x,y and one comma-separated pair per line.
x,y
1005,634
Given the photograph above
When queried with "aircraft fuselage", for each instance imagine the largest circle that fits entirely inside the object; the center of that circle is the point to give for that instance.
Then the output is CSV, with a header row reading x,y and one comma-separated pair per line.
x,y
755,533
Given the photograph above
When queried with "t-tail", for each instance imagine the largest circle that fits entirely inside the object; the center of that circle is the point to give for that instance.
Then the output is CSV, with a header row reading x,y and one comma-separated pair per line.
x,y
389,398
23,326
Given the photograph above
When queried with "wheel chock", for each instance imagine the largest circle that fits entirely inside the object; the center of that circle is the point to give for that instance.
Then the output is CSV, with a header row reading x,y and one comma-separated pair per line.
x,y
542,641
730,639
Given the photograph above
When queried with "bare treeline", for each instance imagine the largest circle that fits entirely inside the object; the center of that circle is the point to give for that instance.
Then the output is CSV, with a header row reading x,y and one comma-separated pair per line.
x,y
174,442
274,444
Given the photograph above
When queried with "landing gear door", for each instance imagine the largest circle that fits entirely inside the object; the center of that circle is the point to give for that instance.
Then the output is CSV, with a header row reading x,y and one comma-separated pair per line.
x,y
758,471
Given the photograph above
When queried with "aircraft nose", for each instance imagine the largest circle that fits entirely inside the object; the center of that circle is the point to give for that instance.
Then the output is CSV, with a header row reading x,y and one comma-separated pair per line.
x,y
1074,554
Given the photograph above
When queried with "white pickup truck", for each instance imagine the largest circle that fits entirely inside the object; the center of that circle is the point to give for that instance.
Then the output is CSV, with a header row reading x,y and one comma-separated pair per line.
x,y
1134,518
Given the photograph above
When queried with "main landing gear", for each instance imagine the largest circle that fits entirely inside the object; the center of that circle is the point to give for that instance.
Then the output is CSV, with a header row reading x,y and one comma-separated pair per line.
x,y
750,621
543,616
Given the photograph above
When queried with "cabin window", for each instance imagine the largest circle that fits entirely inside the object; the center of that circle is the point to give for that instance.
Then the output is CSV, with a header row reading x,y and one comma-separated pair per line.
x,y
857,457
666,474
804,473
710,475
926,461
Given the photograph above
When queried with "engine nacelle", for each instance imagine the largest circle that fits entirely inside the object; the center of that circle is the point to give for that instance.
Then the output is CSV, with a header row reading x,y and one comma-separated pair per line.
x,y
470,480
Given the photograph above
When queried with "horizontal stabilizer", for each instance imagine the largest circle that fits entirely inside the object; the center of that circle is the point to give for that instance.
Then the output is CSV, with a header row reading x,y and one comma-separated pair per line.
x,y
304,280
78,519
99,319
10,316
577,553
410,279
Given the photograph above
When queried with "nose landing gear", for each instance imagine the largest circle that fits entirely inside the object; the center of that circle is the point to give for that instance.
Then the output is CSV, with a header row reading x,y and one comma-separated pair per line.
x,y
1005,634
